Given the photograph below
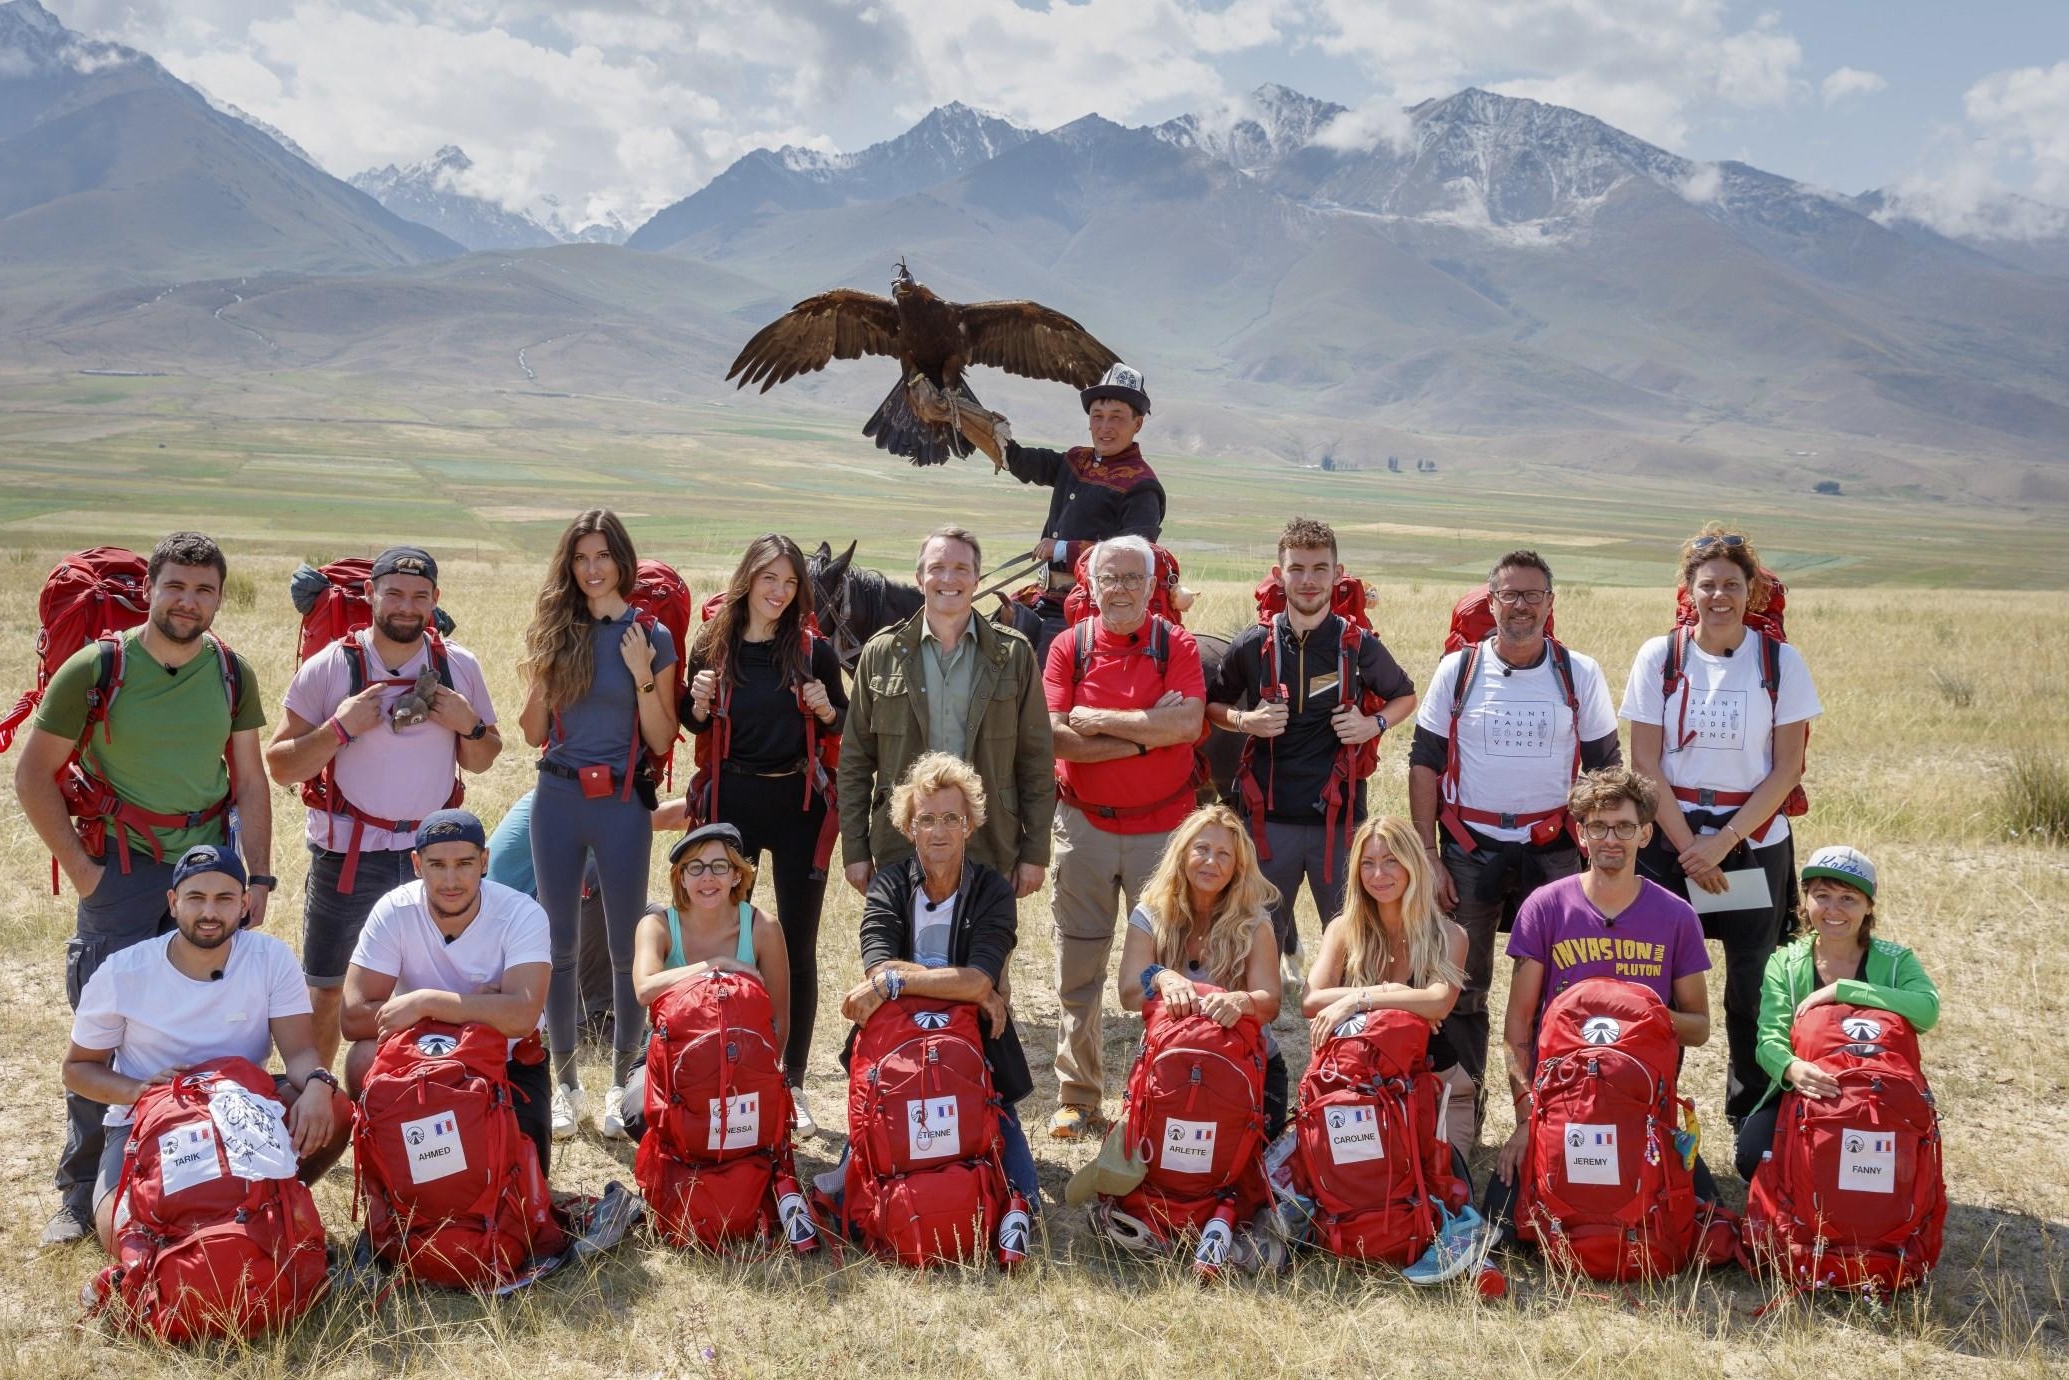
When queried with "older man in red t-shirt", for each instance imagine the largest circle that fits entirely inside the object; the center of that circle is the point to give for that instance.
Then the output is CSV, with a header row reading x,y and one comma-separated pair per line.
x,y
1126,700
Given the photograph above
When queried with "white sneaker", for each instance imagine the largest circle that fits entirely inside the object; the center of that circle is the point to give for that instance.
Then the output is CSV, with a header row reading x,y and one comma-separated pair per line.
x,y
614,1112
570,1108
801,1113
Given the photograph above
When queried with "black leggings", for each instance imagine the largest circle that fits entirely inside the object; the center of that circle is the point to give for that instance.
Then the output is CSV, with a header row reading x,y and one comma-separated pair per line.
x,y
1756,1138
766,810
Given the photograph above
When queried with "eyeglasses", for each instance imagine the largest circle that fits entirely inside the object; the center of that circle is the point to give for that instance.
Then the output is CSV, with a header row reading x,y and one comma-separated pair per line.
x,y
1731,542
1123,581
717,867
949,821
1521,598
1598,829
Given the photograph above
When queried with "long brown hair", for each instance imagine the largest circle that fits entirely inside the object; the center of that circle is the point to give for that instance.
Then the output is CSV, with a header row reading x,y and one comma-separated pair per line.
x,y
717,644
1366,955
1167,897
559,651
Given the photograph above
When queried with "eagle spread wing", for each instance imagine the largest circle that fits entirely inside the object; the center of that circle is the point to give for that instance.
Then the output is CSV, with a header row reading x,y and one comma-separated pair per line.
x,y
1029,339
842,324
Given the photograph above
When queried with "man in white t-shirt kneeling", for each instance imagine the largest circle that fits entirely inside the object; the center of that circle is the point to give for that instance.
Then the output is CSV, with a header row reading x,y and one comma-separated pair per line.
x,y
209,990
454,947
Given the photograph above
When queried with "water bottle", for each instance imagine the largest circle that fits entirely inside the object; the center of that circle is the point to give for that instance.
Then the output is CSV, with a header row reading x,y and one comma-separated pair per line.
x,y
1211,1257
795,1214
1014,1229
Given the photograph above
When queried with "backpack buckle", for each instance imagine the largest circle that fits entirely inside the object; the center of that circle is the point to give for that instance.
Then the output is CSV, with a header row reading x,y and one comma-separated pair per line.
x,y
1706,798
1508,821
196,818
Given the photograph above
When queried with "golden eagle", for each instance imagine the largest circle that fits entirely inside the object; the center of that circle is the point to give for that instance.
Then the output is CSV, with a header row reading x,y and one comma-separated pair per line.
x,y
932,339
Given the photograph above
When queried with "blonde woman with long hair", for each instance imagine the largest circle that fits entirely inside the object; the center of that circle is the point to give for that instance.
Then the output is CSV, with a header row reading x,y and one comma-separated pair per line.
x,y
594,689
1204,917
1392,950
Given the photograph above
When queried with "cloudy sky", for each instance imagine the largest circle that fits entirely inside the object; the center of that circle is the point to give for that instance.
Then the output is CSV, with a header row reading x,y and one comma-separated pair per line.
x,y
626,105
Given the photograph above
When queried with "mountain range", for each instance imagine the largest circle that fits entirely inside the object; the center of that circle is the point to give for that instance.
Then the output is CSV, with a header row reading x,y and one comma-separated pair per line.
x,y
1500,275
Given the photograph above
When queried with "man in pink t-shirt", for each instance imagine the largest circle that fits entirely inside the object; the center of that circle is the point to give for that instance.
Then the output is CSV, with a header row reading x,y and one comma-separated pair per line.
x,y
379,780
1126,699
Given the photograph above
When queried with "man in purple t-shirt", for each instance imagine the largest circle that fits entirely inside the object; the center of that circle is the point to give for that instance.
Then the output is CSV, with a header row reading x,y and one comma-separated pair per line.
x,y
1606,922
381,778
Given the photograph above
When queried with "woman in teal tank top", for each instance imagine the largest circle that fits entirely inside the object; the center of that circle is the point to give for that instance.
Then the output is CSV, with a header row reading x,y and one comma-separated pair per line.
x,y
710,927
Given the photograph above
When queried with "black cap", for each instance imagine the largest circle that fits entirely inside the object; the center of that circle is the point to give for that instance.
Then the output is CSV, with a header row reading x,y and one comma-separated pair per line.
x,y
207,857
405,560
451,826
701,835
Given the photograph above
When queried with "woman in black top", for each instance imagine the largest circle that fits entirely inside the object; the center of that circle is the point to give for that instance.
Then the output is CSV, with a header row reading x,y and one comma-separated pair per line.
x,y
761,680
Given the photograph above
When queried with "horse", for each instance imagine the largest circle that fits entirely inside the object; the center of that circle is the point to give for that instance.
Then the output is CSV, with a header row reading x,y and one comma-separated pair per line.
x,y
855,603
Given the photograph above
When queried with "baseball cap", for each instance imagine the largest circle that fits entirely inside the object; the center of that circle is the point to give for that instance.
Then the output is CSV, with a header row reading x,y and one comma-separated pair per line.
x,y
207,857
405,560
1842,864
451,826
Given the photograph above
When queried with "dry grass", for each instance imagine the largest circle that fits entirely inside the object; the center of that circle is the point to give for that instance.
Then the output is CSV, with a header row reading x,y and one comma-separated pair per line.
x,y
1896,767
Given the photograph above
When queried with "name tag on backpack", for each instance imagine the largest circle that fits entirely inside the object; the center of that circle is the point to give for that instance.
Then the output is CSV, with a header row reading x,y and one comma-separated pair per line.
x,y
1354,1135
1188,1147
1867,1161
932,1128
187,1156
1591,1154
736,1123
433,1146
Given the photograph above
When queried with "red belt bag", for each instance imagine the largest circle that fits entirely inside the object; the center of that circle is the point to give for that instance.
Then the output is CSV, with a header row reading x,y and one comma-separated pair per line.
x,y
596,781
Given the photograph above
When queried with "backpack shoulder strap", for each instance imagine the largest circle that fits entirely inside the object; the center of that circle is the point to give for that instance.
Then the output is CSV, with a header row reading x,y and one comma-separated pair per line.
x,y
1468,663
233,674
441,660
1562,662
1081,634
1160,643
1671,669
1770,667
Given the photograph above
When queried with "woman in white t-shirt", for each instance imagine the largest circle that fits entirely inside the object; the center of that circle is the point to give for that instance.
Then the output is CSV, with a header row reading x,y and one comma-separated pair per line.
x,y
1205,917
1720,713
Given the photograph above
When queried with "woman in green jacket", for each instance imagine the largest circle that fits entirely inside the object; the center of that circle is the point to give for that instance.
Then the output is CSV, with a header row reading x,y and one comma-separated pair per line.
x,y
1835,958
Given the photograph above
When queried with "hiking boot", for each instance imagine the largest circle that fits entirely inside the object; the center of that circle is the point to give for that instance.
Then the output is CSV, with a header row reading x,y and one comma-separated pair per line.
x,y
614,1112
65,1226
1457,1248
570,1110
1072,1122
801,1114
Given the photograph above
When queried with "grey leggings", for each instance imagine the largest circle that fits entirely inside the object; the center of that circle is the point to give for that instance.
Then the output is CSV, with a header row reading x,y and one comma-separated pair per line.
x,y
566,829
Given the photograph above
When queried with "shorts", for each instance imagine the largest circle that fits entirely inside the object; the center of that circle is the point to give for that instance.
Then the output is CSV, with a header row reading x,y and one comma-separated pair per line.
x,y
331,920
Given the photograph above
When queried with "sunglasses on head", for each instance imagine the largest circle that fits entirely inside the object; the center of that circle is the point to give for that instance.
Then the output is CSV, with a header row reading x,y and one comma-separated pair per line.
x,y
1732,542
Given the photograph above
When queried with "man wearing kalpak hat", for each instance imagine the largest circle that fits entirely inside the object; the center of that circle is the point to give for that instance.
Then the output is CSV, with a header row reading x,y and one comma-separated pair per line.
x,y
1098,491
381,759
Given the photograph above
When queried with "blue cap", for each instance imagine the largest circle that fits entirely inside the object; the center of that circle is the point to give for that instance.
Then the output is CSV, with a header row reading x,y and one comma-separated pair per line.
x,y
451,826
207,857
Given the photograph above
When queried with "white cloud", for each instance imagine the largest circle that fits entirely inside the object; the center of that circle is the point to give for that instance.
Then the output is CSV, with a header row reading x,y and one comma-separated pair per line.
x,y
1850,81
1648,66
2016,135
1366,128
1704,184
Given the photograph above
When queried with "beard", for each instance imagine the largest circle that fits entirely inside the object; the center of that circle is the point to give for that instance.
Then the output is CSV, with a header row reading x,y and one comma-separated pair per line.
x,y
205,945
439,912
162,624
399,631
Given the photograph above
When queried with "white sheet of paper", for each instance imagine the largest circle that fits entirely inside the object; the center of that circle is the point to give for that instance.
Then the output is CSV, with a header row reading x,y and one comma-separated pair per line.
x,y
1746,889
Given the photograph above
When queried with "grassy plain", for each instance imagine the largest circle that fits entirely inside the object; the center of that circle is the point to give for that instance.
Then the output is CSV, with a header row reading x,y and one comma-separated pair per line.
x,y
1932,678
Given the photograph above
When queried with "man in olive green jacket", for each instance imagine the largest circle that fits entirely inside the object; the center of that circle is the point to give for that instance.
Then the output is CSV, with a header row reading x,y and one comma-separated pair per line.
x,y
950,680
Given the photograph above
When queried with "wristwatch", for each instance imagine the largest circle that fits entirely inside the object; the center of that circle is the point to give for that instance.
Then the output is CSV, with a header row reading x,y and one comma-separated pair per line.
x,y
261,879
479,732
321,1076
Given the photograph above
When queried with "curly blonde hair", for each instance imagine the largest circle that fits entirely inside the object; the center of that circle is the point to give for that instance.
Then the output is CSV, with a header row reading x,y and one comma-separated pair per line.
x,y
1247,899
937,771
1366,956
1716,542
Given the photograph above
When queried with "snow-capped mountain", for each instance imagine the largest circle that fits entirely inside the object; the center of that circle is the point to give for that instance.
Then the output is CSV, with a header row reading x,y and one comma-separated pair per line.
x,y
2013,229
950,140
431,194
1255,132
273,132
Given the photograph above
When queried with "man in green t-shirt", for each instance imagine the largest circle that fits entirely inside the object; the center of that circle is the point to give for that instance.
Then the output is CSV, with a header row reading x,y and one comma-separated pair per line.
x,y
161,756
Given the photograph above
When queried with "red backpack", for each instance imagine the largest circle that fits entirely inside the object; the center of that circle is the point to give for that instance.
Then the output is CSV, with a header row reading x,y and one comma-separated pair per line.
x,y
1851,1196
1194,1109
1766,625
452,1188
1604,1189
1163,588
92,598
661,596
1366,1147
1349,601
822,751
717,1111
1472,623
206,1253
334,609
925,1183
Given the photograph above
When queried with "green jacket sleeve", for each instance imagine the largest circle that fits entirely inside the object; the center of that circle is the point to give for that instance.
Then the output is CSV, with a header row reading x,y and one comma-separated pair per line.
x,y
857,781
1910,993
1778,998
1034,763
